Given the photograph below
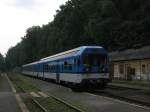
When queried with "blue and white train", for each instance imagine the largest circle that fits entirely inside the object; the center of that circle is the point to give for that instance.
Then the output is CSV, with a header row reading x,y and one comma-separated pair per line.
x,y
85,65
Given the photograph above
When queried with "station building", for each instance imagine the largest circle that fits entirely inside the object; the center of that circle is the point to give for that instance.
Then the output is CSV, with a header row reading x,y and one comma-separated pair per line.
x,y
131,64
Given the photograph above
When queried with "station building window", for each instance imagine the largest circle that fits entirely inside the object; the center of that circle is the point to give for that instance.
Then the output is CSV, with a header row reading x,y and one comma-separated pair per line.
x,y
143,68
133,71
121,68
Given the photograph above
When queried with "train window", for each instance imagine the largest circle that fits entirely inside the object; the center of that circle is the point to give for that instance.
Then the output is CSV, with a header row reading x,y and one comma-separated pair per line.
x,y
49,67
86,60
75,61
70,67
53,67
46,67
94,59
65,65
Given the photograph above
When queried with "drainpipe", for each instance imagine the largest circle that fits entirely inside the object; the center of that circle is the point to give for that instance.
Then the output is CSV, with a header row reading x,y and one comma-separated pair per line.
x,y
140,69
147,72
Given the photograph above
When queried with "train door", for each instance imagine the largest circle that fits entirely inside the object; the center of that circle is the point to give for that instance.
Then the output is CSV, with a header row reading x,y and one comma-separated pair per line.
x,y
37,71
44,67
57,73
77,64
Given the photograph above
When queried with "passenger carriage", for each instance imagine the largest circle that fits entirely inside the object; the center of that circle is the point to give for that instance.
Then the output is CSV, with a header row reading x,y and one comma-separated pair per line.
x,y
83,65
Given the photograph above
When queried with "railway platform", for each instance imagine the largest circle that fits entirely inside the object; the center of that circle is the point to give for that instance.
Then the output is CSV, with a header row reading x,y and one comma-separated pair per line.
x,y
8,101
130,86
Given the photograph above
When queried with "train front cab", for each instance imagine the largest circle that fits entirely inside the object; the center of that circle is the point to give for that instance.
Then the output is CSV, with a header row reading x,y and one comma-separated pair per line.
x,y
95,68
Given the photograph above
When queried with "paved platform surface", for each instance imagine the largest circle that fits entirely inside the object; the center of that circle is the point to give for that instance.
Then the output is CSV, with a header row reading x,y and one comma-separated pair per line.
x,y
8,102
129,86
86,101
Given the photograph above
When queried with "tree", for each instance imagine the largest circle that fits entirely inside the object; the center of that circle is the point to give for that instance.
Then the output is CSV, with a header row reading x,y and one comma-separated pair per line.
x,y
114,24
2,63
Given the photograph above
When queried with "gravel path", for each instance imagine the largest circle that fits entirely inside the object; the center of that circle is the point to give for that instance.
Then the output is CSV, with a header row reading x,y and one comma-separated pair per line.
x,y
8,102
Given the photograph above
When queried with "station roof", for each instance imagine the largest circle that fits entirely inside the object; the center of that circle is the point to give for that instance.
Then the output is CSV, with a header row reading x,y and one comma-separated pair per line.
x,y
131,54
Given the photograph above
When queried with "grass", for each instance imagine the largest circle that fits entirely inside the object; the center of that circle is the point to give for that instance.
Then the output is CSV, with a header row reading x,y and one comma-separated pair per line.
x,y
23,82
53,105
31,105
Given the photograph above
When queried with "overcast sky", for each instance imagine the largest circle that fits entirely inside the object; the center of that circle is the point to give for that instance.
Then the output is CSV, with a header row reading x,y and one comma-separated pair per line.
x,y
18,15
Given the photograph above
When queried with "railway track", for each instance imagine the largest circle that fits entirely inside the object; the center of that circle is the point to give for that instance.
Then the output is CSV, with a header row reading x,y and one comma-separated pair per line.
x,y
54,97
34,100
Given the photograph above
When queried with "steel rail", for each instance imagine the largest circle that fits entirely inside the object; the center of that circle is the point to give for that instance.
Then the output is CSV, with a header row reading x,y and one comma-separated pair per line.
x,y
67,104
56,98
35,101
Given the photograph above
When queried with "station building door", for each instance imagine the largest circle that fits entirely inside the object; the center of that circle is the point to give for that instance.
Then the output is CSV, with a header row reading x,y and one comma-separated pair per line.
x,y
128,72
148,71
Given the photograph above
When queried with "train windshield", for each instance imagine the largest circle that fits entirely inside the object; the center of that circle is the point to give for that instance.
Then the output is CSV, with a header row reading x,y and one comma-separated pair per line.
x,y
94,59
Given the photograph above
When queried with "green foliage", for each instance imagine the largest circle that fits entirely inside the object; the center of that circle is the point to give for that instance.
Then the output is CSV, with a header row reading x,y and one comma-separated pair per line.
x,y
114,24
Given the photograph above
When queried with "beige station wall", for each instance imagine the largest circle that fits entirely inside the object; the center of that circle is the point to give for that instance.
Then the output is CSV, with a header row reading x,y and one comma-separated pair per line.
x,y
137,65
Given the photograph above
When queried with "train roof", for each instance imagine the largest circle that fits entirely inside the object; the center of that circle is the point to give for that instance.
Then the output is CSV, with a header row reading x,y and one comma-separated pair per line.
x,y
72,52
31,63
69,53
